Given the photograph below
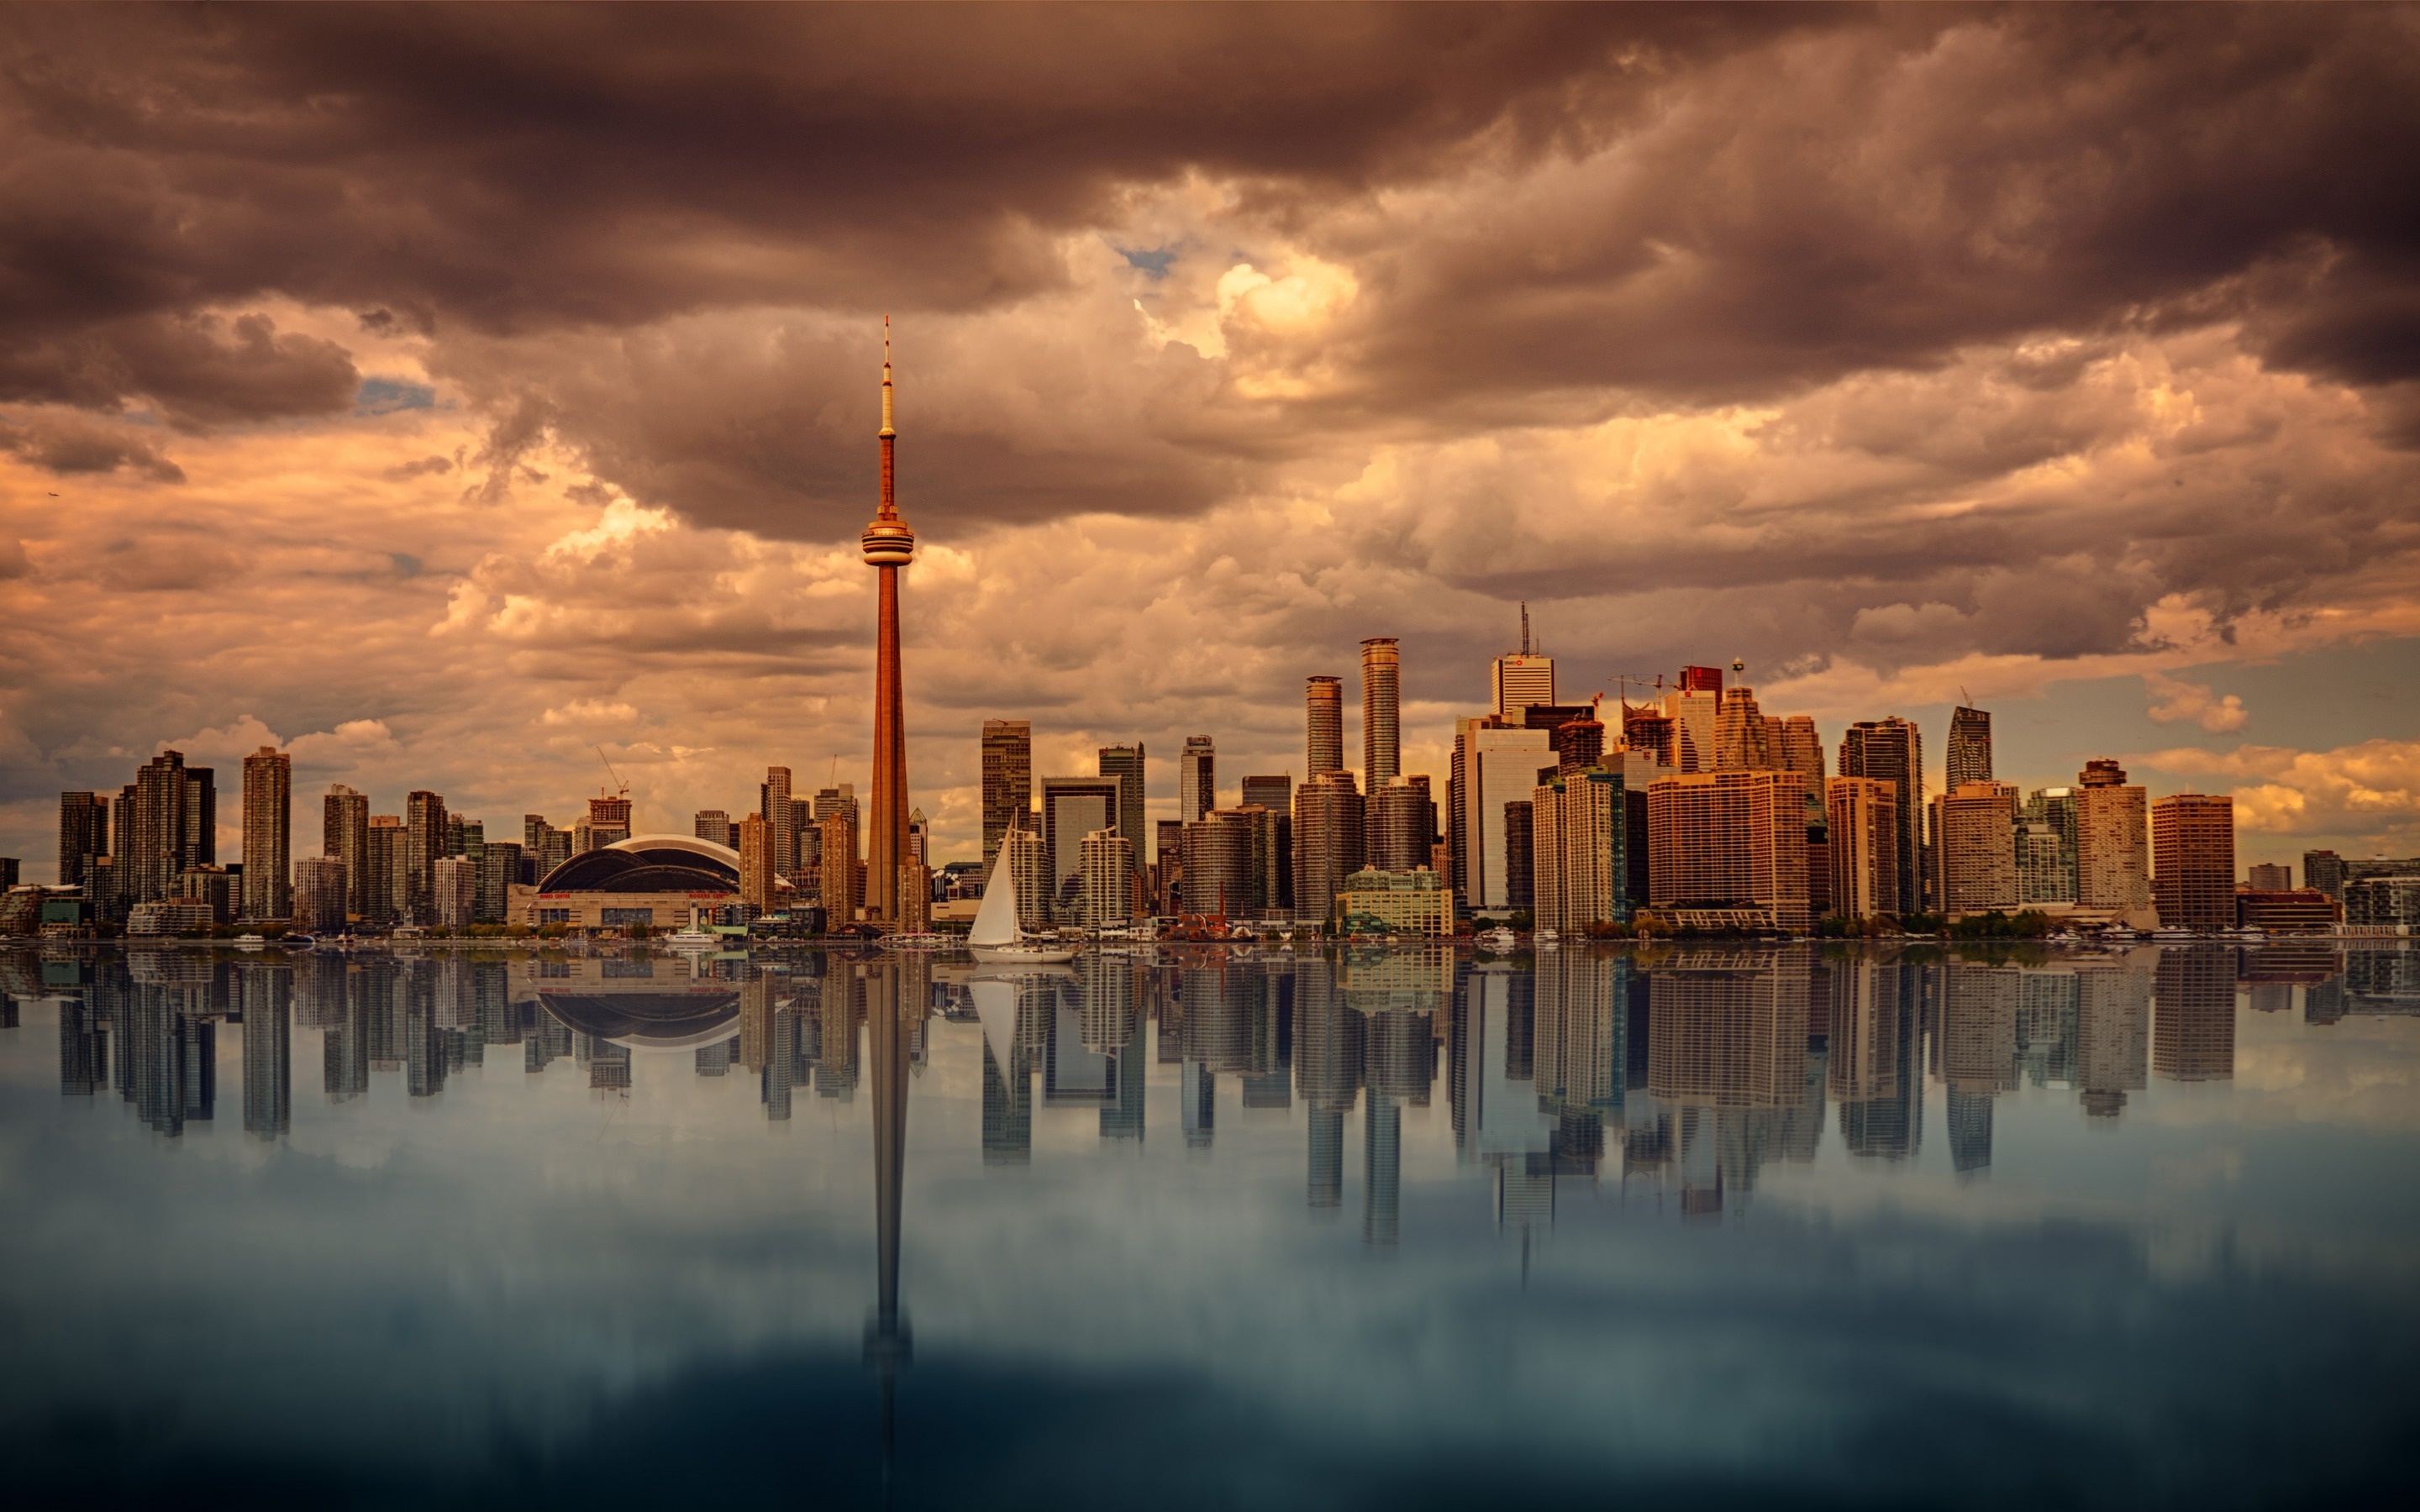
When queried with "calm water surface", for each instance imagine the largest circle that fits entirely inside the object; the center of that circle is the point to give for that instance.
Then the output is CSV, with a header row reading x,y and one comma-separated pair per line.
x,y
1387,1229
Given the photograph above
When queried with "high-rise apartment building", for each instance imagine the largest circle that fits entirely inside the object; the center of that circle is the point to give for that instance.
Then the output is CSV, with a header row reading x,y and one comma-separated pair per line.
x,y
2112,850
152,851
344,837
840,872
500,867
1862,846
453,891
1729,841
1073,807
1797,747
2322,869
268,834
1026,857
386,871
1495,764
2193,862
1323,720
320,894
1197,778
775,805
2046,847
1521,853
1126,763
757,871
1109,880
1328,836
1382,740
423,846
1892,750
1969,755
84,835
1974,827
1579,847
2269,876
1521,679
1276,795
1398,821
1219,877
713,824
1007,781
545,845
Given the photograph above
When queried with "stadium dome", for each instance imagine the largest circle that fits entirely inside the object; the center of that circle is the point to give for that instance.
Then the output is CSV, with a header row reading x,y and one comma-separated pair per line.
x,y
649,1020
649,863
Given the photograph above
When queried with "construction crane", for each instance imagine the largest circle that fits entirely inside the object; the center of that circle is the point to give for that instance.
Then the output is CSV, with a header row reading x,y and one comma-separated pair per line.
x,y
1622,682
622,789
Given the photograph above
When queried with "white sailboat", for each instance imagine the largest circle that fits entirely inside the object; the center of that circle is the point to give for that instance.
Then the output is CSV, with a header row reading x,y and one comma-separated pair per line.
x,y
996,939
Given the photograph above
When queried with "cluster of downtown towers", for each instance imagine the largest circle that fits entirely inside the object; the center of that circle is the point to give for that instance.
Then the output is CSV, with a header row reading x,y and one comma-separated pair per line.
x,y
1698,809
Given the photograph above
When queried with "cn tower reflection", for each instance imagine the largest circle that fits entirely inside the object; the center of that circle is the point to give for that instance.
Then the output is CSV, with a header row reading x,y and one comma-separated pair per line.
x,y
889,1005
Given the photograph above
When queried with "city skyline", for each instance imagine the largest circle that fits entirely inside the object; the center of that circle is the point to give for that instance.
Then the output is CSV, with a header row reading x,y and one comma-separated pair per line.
x,y
539,497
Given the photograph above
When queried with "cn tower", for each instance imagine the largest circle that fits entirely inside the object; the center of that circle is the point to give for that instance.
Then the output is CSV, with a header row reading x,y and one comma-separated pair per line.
x,y
890,546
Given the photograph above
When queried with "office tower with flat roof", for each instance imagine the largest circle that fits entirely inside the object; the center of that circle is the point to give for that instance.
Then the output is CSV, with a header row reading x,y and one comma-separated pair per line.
x,y
1323,720
1695,708
200,846
1107,870
320,895
2193,1013
1799,748
1498,764
1521,678
1381,712
2112,871
1073,807
1126,763
1862,846
1974,826
2193,861
1969,755
267,833
423,846
1521,853
1892,750
712,824
1729,841
2323,869
1740,735
2269,876
344,837
1327,842
1197,778
1007,781
774,802
1276,795
84,835
500,868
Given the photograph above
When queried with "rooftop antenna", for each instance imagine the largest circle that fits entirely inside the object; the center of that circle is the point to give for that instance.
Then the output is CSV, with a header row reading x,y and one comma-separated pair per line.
x,y
1525,626
622,788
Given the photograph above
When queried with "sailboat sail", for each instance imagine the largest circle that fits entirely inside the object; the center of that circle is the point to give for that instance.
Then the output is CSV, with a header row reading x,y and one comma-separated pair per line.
x,y
996,919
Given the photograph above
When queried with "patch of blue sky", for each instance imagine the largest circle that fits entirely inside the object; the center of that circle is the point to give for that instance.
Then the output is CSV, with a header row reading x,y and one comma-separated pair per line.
x,y
388,396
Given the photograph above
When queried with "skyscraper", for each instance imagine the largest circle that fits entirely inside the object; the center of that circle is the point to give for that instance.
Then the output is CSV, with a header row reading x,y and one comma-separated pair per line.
x,y
83,834
1381,712
1739,736
1007,781
1327,842
1126,763
2112,851
267,833
1197,778
1276,795
758,869
1073,807
1497,766
1862,845
1974,830
1970,748
1106,868
1694,707
2046,847
1522,678
1323,712
1399,822
775,807
889,546
713,824
1578,843
1218,871
320,894
423,846
1892,750
1728,841
344,837
2193,862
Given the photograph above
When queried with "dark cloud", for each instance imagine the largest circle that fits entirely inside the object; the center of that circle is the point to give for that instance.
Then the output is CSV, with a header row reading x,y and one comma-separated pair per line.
x,y
69,444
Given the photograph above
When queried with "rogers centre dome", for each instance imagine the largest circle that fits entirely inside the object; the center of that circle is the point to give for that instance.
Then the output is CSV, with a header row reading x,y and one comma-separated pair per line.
x,y
649,863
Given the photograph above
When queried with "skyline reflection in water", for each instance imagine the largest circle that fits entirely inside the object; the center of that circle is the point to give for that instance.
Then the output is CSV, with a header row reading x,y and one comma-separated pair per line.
x,y
1785,1222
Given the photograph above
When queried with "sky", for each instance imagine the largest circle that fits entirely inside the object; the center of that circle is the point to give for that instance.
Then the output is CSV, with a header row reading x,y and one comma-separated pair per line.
x,y
447,394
